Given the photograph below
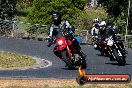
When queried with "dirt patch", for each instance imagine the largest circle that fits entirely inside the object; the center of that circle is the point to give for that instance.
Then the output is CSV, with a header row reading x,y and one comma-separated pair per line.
x,y
52,83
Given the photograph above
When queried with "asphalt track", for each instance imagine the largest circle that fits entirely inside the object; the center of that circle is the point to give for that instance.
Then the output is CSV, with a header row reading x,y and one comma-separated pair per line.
x,y
96,64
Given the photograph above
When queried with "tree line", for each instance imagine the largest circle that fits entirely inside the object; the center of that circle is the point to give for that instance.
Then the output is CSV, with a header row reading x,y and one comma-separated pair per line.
x,y
39,11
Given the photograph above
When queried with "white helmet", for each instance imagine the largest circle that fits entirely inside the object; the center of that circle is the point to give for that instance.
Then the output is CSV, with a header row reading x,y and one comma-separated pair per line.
x,y
103,23
96,20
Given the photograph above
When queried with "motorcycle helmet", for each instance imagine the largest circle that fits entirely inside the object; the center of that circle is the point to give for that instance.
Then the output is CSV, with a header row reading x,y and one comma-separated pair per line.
x,y
102,26
72,28
56,17
103,23
96,20
116,29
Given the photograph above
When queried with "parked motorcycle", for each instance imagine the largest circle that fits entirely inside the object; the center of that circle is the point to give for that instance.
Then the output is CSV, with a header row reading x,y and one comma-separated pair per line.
x,y
73,57
113,49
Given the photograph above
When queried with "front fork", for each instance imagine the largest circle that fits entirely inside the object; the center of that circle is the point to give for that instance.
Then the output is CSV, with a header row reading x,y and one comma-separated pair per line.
x,y
69,51
115,47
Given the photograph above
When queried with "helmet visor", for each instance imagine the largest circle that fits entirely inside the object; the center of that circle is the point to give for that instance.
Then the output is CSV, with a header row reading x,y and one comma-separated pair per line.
x,y
55,17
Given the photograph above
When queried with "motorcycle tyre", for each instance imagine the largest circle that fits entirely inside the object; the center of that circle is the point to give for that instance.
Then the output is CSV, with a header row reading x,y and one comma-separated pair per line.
x,y
119,59
83,60
68,60
84,64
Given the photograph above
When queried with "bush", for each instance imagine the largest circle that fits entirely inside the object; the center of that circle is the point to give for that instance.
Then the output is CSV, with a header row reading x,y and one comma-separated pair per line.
x,y
84,20
42,9
119,21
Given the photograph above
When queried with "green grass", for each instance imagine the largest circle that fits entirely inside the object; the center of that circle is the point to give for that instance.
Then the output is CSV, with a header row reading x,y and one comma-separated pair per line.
x,y
8,60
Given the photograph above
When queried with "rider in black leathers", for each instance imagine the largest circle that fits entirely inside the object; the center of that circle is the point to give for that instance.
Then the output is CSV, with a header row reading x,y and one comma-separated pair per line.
x,y
110,29
58,26
55,31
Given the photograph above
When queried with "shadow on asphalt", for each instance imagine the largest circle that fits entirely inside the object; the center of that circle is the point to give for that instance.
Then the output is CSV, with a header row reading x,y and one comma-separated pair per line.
x,y
85,44
74,69
102,55
116,64
68,69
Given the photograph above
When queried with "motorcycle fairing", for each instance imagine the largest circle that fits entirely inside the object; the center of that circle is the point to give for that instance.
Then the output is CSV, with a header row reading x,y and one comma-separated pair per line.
x,y
63,45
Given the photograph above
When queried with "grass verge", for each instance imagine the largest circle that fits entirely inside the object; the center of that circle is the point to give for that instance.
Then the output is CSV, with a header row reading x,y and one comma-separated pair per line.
x,y
9,60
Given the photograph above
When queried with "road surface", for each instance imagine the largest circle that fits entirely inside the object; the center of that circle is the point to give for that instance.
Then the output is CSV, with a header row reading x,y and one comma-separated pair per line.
x,y
96,64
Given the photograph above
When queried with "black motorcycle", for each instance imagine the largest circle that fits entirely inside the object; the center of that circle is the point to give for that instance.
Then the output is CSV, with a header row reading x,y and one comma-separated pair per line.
x,y
113,49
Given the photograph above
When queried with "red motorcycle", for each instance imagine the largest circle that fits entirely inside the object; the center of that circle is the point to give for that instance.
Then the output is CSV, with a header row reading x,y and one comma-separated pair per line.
x,y
73,57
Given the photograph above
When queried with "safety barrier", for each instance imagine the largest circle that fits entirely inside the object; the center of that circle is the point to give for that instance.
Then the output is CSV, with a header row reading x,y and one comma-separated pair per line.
x,y
128,41
23,30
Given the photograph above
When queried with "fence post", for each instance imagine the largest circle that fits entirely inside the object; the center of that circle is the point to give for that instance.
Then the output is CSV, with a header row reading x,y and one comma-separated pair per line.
x,y
13,28
86,36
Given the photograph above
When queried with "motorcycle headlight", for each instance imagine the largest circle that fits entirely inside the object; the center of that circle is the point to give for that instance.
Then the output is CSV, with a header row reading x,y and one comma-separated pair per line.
x,y
60,42
110,42
106,39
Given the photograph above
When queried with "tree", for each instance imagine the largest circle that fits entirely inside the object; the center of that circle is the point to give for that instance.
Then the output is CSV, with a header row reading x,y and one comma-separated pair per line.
x,y
41,10
117,11
114,7
7,10
22,4
22,7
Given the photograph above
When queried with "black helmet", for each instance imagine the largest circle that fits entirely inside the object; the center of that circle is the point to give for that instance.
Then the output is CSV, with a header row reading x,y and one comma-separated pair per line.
x,y
56,16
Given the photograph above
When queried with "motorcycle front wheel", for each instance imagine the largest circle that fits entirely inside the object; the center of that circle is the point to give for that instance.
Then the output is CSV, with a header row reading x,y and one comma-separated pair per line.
x,y
119,59
68,60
